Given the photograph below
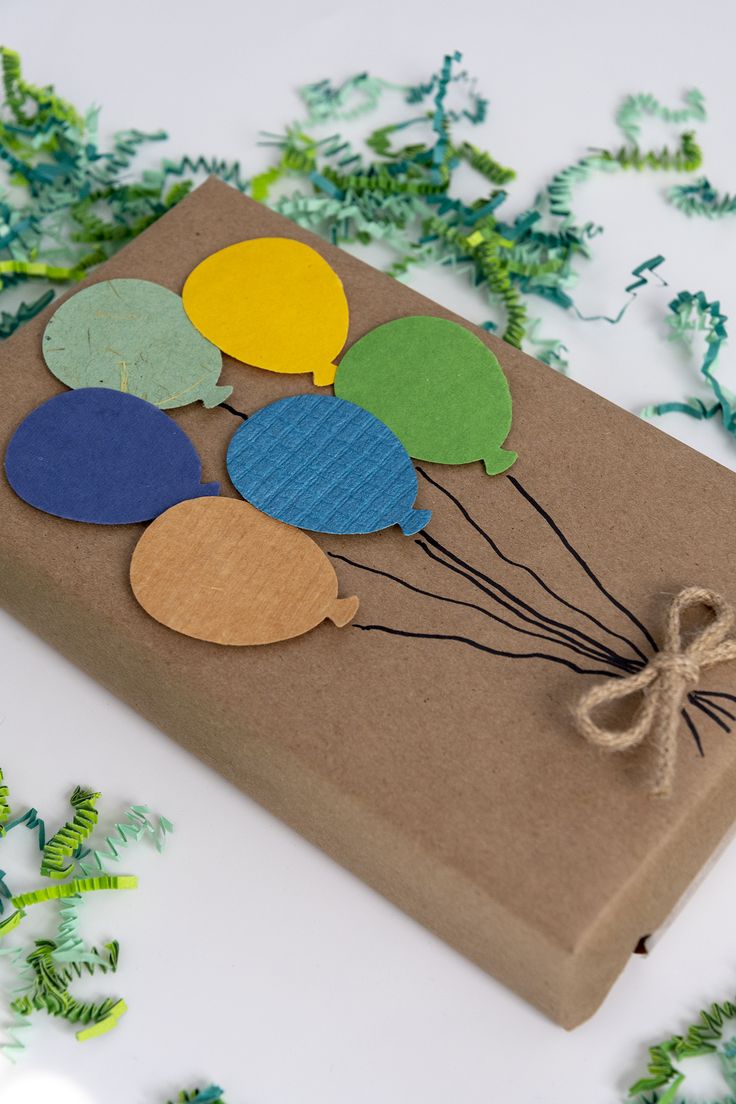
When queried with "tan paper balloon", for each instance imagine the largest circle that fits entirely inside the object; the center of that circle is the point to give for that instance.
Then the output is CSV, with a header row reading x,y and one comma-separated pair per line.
x,y
218,569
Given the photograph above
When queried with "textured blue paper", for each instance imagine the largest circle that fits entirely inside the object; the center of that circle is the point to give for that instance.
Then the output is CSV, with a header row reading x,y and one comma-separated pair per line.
x,y
324,464
103,456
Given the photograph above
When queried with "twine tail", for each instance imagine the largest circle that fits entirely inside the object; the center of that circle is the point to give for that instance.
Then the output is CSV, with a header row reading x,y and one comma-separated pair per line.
x,y
672,693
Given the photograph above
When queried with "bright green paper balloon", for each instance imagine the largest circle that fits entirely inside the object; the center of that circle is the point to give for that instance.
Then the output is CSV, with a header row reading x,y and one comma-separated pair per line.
x,y
133,335
437,386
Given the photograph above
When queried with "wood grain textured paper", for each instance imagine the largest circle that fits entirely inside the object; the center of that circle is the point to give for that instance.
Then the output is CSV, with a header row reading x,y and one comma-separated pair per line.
x,y
220,570
428,745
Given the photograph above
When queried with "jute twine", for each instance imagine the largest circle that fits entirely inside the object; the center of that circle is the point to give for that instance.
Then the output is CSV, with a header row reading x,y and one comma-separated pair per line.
x,y
664,682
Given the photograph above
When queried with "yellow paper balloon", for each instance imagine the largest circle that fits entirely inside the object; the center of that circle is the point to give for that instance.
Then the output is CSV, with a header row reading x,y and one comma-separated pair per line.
x,y
274,303
231,575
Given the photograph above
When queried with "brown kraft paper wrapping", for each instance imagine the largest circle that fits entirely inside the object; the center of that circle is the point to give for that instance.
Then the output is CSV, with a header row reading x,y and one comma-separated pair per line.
x,y
444,774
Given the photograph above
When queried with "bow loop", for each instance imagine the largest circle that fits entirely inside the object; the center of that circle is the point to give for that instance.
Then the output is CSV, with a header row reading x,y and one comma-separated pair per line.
x,y
707,638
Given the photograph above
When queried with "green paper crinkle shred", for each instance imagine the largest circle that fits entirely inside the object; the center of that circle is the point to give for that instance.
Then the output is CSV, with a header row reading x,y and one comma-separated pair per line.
x,y
665,1080
213,1094
15,1042
691,313
70,947
701,198
80,202
4,804
68,839
134,826
66,202
404,197
51,993
47,969
634,108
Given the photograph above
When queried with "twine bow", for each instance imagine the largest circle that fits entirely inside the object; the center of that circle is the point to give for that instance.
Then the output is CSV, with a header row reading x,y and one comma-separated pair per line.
x,y
665,682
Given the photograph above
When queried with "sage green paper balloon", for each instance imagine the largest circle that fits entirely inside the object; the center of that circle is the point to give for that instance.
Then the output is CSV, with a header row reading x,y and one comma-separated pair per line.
x,y
437,386
133,336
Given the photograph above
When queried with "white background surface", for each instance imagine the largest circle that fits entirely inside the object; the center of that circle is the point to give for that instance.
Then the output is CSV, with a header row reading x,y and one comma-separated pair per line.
x,y
248,958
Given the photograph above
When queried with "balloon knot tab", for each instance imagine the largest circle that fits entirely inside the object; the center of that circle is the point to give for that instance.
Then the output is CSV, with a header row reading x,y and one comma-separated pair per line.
x,y
343,611
216,396
414,521
324,375
500,461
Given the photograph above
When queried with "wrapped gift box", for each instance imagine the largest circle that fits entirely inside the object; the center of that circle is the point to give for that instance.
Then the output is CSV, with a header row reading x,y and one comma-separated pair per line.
x,y
429,746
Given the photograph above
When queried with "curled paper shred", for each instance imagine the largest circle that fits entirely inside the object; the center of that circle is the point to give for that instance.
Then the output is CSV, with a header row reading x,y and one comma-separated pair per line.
x,y
51,993
693,313
200,167
71,948
404,197
687,157
11,922
88,202
22,901
72,202
33,823
4,804
354,97
16,1042
45,974
75,968
701,198
664,1079
64,843
136,825
5,892
213,1094
76,886
641,276
16,1030
549,350
635,108
727,1057
9,322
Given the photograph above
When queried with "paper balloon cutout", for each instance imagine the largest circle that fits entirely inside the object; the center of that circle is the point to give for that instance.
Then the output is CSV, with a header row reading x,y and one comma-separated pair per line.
x,y
218,570
101,456
324,464
437,386
274,303
134,336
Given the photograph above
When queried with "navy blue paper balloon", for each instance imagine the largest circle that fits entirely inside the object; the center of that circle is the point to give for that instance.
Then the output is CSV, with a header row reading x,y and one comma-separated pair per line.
x,y
103,456
322,463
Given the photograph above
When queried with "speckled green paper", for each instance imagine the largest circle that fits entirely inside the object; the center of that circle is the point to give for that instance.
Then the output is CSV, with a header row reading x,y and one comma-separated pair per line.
x,y
133,335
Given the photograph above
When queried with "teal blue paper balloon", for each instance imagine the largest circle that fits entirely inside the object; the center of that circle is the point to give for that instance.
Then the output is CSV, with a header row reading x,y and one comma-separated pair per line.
x,y
320,463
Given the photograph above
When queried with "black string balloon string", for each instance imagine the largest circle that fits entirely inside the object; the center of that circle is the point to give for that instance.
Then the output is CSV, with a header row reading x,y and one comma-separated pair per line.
x,y
534,622
525,567
520,614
